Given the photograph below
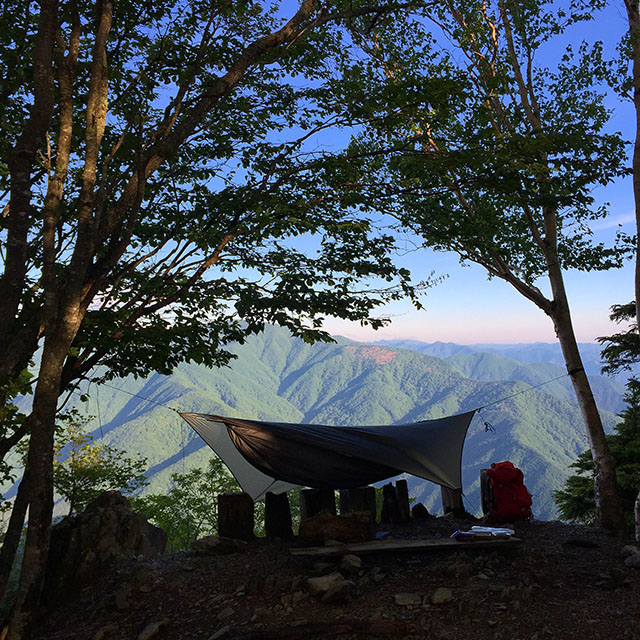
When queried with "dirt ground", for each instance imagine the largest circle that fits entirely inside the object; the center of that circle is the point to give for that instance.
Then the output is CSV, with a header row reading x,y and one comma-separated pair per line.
x,y
564,581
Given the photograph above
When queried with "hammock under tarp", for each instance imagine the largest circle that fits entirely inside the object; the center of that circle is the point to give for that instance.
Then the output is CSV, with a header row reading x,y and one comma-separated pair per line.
x,y
277,456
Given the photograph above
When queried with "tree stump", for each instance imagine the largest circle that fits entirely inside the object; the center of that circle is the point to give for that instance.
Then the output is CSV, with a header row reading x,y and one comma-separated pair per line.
x,y
486,495
390,510
358,499
235,516
452,502
277,516
402,498
313,501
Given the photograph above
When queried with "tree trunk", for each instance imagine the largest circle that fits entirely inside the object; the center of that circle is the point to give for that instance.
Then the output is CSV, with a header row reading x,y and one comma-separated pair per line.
x,y
637,515
606,492
40,465
633,15
13,533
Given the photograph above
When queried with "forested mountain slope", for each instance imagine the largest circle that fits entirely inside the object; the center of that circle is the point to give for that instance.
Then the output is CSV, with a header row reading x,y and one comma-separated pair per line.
x,y
530,363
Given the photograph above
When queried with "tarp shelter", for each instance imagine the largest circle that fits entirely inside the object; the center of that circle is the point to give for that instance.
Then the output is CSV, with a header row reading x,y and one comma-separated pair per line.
x,y
277,456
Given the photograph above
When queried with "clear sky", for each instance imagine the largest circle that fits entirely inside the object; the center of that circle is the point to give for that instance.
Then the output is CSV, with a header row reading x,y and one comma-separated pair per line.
x,y
467,308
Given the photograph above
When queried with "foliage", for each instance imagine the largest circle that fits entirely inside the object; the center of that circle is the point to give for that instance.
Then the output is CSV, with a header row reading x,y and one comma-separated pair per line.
x,y
188,510
621,350
478,150
576,500
83,469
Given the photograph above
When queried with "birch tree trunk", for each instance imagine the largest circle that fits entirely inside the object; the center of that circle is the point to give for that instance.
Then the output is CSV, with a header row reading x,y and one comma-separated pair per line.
x,y
633,15
607,497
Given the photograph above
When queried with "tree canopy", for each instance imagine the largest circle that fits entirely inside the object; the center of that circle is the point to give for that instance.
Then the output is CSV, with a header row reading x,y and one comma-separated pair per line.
x,y
153,169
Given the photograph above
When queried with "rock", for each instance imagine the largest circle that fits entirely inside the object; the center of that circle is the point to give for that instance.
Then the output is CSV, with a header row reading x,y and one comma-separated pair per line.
x,y
617,574
420,512
261,613
298,597
351,527
106,632
460,569
322,567
122,597
633,561
319,585
218,546
152,629
269,584
220,633
225,613
85,547
339,592
630,550
351,564
408,599
442,595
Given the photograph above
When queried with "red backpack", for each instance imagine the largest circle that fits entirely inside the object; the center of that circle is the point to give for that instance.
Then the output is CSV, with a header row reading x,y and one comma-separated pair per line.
x,y
509,499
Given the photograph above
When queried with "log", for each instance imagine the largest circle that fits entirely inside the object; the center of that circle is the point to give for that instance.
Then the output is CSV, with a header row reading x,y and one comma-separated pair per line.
x,y
236,516
313,501
402,498
452,502
358,499
408,545
277,516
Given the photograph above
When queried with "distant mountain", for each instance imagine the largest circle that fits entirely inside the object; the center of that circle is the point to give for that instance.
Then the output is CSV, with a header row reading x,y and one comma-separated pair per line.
x,y
281,378
530,363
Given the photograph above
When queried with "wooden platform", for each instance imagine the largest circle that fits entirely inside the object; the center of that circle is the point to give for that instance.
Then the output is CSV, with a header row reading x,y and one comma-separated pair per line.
x,y
394,544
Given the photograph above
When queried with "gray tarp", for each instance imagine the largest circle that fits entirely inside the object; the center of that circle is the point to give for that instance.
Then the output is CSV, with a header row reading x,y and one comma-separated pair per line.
x,y
276,456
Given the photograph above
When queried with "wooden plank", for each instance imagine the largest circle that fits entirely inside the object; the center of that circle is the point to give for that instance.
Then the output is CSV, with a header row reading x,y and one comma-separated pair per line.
x,y
424,544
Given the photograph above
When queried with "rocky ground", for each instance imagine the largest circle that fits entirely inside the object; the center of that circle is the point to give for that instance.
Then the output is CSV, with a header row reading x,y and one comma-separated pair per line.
x,y
564,581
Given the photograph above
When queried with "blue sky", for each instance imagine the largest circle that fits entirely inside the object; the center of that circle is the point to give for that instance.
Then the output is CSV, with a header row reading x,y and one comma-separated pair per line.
x,y
467,308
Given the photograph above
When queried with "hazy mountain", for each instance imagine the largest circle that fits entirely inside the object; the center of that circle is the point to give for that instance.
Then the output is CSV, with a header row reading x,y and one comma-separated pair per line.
x,y
278,377
534,364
